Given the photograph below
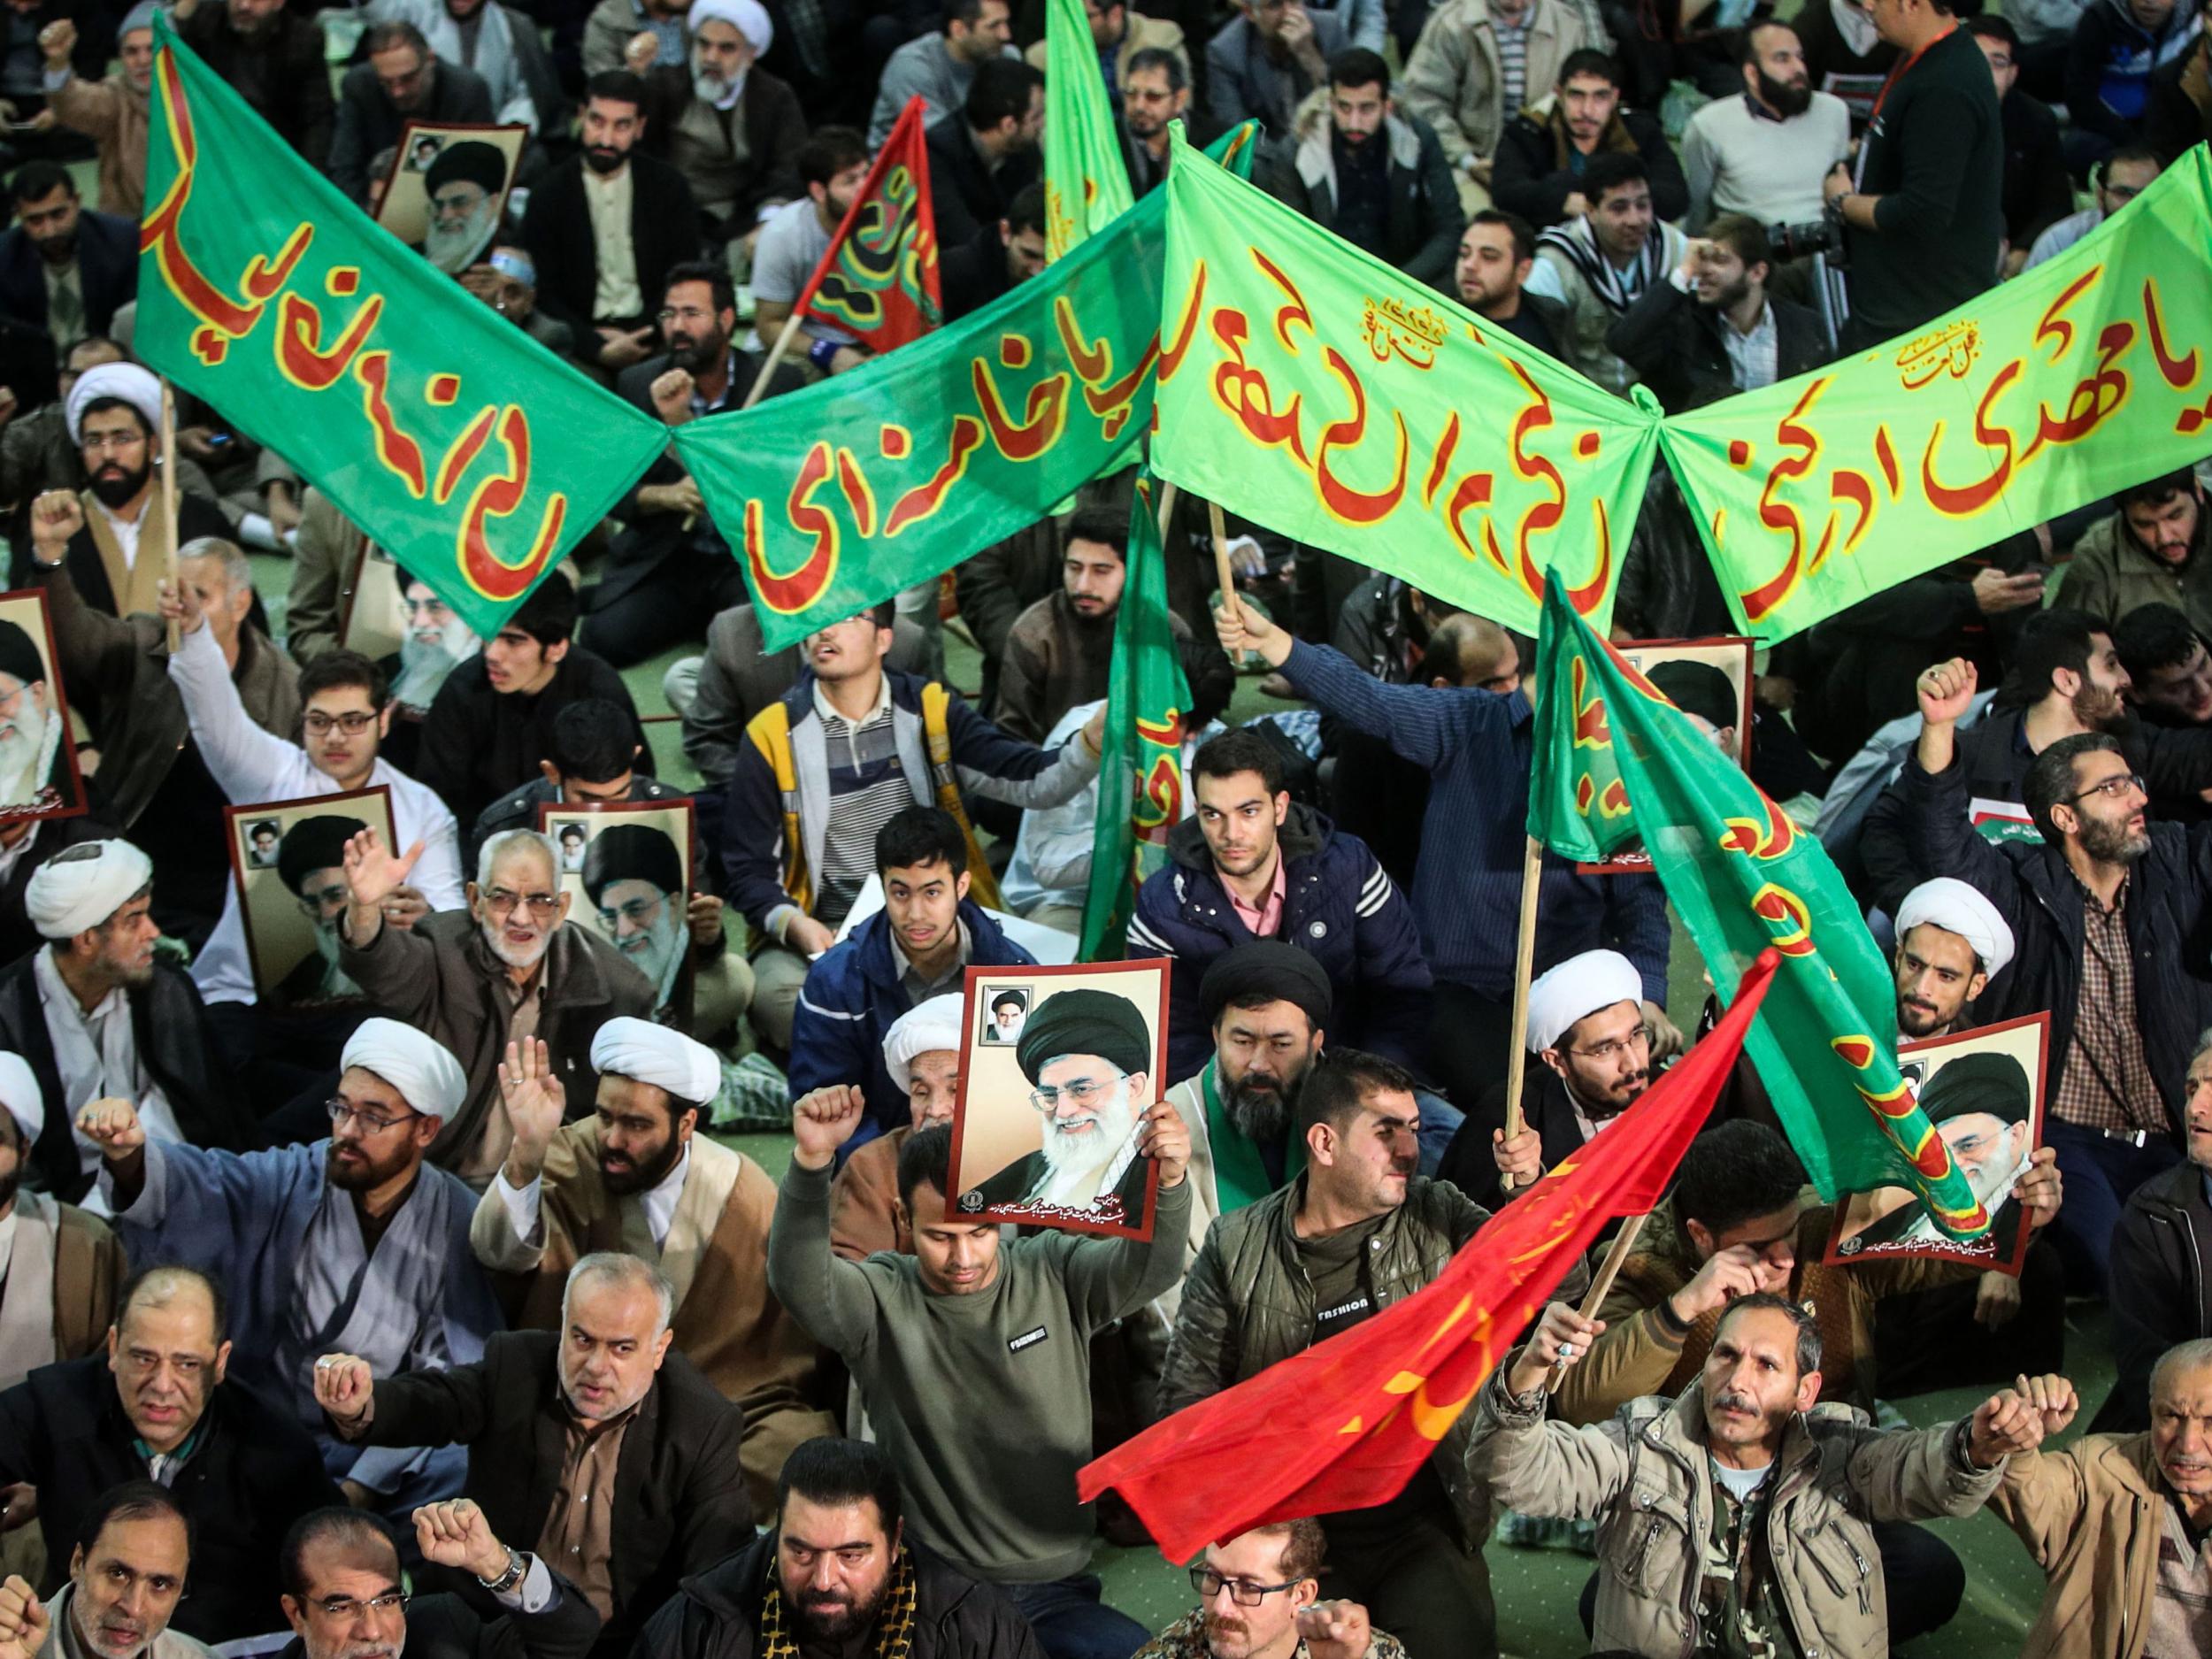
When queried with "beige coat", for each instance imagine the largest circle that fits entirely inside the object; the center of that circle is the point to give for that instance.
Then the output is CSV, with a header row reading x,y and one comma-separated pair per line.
x,y
716,1254
114,118
2110,574
2091,1515
1142,33
1454,81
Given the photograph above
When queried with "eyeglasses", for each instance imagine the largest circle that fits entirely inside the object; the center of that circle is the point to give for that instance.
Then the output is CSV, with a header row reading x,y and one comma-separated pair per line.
x,y
2112,787
637,912
499,901
352,724
372,1123
345,1606
1243,1592
1614,1047
684,314
1083,1094
100,442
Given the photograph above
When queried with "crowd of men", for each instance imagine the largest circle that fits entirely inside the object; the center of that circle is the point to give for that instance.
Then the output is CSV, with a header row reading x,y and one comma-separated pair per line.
x,y
423,1297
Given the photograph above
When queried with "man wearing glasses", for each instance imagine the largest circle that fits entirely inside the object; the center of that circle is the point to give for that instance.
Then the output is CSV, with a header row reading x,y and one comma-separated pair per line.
x,y
507,969
1259,1597
351,1245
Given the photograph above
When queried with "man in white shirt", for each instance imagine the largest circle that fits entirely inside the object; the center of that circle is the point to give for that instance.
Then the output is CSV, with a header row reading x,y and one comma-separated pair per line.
x,y
1764,154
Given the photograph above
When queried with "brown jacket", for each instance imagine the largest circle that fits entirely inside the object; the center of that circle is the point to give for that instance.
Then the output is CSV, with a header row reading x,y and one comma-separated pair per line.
x,y
864,1200
1643,1352
716,1254
89,1267
2091,1515
115,118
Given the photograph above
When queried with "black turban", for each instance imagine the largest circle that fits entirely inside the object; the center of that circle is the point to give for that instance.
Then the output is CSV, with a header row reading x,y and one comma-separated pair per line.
x,y
1085,1021
1988,1082
18,655
633,852
473,161
1268,968
312,844
1699,688
1010,999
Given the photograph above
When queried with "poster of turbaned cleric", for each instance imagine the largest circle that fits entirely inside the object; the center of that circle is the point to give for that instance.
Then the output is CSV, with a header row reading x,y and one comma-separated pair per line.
x,y
288,860
1983,1090
38,758
628,865
1059,1066
447,187
1710,680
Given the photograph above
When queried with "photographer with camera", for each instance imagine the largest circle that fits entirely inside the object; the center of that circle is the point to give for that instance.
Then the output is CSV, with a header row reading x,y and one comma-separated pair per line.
x,y
1711,328
1923,214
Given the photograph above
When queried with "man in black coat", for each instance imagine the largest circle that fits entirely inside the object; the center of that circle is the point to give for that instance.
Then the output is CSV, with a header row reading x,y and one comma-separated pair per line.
x,y
983,153
272,57
76,1429
838,1574
612,167
2038,190
402,80
57,246
537,1412
1538,171
1712,328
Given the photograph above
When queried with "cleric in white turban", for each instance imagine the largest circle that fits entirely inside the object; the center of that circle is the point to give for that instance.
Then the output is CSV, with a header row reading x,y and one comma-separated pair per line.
x,y
423,1069
929,1027
720,61
1580,986
1951,942
636,1177
1956,908
121,383
80,887
59,1267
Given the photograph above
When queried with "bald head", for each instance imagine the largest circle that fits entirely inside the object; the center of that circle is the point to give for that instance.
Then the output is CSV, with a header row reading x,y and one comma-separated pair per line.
x,y
179,1292
168,1353
1473,652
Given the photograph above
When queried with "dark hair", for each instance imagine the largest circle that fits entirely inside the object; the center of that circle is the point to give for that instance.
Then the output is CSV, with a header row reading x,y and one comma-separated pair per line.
x,y
342,667
1733,1174
1991,27
1102,524
1609,169
549,615
132,1501
1238,750
1027,211
1588,60
593,742
2050,780
1748,45
353,1529
2152,637
1357,66
1343,1081
1000,92
1305,1547
1524,235
962,11
2155,492
926,1160
1765,1301
34,181
617,85
921,835
1743,236
1159,58
102,342
828,151
828,1469
383,36
2048,641
722,291
136,1284
101,405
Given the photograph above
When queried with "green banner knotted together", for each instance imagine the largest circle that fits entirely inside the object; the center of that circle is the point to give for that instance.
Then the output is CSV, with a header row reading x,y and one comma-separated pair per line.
x,y
1616,760
464,448
1087,181
2046,393
1310,387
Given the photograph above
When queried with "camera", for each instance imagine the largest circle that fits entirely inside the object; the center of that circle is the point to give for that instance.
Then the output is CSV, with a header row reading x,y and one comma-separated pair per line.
x,y
1802,241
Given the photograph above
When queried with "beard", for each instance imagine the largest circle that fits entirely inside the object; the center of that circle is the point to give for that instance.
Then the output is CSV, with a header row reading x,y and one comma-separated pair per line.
x,y
1917,1020
516,956
821,1617
2098,709
424,663
335,983
696,356
658,952
360,1174
2113,843
641,1176
1259,1111
1727,299
114,488
604,158
9,1183
710,88
22,752
1075,1164
453,248
1784,99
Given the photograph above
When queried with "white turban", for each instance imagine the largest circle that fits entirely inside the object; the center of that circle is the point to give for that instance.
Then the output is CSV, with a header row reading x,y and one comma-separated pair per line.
x,y
125,380
1950,904
749,18
930,1027
1578,986
80,886
647,1053
420,1067
22,1096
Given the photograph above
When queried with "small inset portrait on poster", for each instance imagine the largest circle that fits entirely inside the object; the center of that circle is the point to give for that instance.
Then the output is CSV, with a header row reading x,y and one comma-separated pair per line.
x,y
1009,1006
38,758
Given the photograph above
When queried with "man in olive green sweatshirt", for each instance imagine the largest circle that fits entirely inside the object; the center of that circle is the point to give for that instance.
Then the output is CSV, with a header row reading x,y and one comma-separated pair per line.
x,y
973,1359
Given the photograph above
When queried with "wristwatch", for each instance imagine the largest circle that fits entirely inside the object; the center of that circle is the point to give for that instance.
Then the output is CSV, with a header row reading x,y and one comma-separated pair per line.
x,y
517,1565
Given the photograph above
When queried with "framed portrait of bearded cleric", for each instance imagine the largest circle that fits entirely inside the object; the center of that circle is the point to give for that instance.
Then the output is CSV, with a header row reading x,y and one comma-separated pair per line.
x,y
1710,680
38,754
627,865
288,859
1052,1102
384,612
1983,1090
447,188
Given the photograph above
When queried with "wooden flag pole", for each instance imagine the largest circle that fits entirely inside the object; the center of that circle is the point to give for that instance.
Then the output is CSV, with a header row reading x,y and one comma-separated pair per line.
x,y
1167,494
169,498
1624,1241
1222,572
759,387
1523,961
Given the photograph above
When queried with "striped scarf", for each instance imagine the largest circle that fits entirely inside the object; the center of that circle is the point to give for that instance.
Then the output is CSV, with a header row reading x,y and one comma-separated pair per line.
x,y
1618,289
895,1618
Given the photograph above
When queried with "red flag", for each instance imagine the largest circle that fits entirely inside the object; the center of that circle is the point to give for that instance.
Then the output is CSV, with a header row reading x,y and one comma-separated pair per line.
x,y
1345,1424
878,279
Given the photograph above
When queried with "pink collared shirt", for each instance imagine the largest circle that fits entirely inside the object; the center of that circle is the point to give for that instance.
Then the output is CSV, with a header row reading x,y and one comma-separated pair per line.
x,y
1268,917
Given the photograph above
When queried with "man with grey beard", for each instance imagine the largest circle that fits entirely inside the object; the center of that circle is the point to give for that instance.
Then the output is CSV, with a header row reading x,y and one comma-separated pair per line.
x,y
506,969
436,642
463,188
30,737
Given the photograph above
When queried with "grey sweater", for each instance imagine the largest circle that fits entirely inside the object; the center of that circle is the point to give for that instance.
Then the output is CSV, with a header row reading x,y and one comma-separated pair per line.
x,y
981,1401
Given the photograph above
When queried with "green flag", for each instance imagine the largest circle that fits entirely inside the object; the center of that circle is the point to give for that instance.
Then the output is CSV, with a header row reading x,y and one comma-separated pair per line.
x,y
464,448
1087,181
1312,388
1140,769
1614,760
2050,391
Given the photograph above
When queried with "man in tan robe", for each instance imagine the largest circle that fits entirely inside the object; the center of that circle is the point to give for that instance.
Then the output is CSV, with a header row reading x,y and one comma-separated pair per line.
x,y
635,1177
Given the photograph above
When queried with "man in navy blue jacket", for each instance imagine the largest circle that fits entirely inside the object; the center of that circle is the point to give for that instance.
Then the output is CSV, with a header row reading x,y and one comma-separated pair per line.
x,y
919,945
1251,865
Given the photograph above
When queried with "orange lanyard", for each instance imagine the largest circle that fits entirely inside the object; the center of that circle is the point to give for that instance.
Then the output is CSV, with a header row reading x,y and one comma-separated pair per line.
x,y
1901,72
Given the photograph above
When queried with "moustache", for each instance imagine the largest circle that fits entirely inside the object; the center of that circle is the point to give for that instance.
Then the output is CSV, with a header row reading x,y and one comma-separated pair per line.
x,y
1735,1399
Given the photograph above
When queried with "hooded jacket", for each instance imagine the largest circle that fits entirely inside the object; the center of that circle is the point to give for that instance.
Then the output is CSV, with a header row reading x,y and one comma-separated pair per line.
x,y
1421,217
2110,66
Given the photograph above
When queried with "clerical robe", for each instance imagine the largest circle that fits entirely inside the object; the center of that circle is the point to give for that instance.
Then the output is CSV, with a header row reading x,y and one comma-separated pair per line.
x,y
59,1271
